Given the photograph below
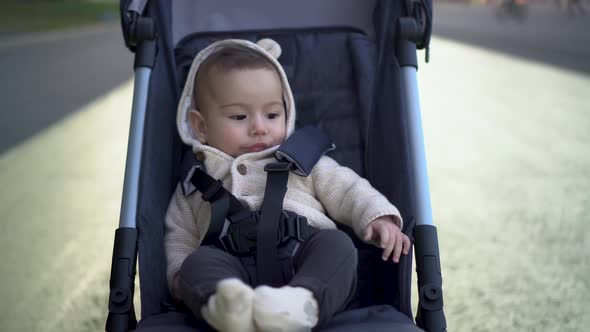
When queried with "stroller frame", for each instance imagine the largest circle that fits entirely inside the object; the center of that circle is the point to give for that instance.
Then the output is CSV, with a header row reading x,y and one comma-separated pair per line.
x,y
140,37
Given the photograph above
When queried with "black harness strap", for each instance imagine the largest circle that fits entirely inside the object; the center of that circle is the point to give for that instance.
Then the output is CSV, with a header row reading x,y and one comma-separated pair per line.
x,y
299,153
268,269
223,203
219,211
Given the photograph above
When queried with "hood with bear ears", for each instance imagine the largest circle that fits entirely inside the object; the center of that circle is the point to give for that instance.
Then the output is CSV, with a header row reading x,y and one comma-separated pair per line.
x,y
267,48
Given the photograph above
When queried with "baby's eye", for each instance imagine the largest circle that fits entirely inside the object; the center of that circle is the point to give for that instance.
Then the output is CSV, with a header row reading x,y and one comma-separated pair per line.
x,y
273,115
237,117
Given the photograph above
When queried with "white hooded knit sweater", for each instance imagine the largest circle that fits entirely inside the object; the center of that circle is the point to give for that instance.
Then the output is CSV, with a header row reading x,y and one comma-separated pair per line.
x,y
330,193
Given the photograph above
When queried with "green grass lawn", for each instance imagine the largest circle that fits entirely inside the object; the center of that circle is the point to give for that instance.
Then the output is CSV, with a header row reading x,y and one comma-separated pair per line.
x,y
43,15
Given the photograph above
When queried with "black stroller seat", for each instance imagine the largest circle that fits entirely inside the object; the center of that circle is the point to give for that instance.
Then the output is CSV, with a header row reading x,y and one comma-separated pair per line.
x,y
347,81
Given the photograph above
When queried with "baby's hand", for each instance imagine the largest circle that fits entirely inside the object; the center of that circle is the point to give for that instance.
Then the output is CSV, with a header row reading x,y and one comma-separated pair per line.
x,y
176,288
384,233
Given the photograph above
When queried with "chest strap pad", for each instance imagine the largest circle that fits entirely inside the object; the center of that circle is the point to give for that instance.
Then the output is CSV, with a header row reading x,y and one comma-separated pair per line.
x,y
304,148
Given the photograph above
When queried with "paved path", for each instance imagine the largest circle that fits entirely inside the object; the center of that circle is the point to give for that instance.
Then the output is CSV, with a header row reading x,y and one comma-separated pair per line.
x,y
60,194
47,76
545,35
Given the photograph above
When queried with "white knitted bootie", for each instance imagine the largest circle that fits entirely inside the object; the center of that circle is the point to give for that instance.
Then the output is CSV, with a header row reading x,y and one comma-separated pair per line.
x,y
285,309
230,308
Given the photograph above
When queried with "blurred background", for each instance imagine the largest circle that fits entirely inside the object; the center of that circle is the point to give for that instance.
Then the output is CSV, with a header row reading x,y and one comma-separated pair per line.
x,y
506,115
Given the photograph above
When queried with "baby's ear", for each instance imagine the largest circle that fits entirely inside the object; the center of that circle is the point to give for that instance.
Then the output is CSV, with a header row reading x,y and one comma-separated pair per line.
x,y
199,125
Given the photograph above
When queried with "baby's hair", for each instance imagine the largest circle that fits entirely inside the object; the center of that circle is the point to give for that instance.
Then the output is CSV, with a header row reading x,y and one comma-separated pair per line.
x,y
226,59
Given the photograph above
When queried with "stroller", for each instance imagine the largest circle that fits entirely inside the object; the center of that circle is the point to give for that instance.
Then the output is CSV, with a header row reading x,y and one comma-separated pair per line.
x,y
361,56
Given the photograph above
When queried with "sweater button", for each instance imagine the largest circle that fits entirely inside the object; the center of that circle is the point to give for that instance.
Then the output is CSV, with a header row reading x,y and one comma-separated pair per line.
x,y
200,156
242,169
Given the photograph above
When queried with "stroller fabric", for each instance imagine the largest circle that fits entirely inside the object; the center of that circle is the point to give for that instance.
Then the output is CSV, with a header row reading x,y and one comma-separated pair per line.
x,y
344,81
340,102
382,318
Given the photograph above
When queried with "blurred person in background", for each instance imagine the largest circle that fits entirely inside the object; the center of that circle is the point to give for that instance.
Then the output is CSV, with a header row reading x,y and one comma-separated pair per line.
x,y
573,7
512,9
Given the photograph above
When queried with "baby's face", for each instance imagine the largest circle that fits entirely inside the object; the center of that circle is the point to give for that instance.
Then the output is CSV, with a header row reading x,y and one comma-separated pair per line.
x,y
242,110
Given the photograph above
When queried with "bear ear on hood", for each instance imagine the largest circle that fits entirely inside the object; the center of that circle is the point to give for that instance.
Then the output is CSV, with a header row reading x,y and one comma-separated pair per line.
x,y
267,47
271,47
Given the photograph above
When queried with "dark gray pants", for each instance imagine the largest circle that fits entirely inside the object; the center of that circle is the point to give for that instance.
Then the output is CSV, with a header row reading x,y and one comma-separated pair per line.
x,y
325,264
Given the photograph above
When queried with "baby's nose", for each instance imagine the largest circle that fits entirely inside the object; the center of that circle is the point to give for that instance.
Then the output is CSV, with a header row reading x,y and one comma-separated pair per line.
x,y
258,126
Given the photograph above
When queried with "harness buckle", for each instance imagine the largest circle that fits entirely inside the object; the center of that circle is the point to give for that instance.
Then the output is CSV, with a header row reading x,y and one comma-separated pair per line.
x,y
212,190
293,227
227,243
280,166
301,228
240,238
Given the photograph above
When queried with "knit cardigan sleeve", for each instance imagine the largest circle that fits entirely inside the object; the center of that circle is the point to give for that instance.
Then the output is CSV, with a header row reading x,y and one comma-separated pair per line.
x,y
181,235
349,198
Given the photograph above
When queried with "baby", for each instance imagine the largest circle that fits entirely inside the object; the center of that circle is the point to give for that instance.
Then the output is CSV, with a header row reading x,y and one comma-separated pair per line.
x,y
235,111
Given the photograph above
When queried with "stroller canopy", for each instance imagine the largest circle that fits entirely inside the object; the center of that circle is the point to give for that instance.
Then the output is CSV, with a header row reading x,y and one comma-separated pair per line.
x,y
190,16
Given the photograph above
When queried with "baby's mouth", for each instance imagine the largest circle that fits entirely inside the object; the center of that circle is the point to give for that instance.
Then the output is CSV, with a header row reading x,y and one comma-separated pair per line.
x,y
257,147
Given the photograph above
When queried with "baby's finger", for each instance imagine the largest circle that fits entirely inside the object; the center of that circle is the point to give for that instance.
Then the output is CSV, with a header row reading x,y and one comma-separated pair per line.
x,y
368,234
383,237
397,251
388,249
407,243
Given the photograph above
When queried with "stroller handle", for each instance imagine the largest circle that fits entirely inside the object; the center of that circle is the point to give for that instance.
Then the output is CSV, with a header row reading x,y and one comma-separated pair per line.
x,y
121,316
415,33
